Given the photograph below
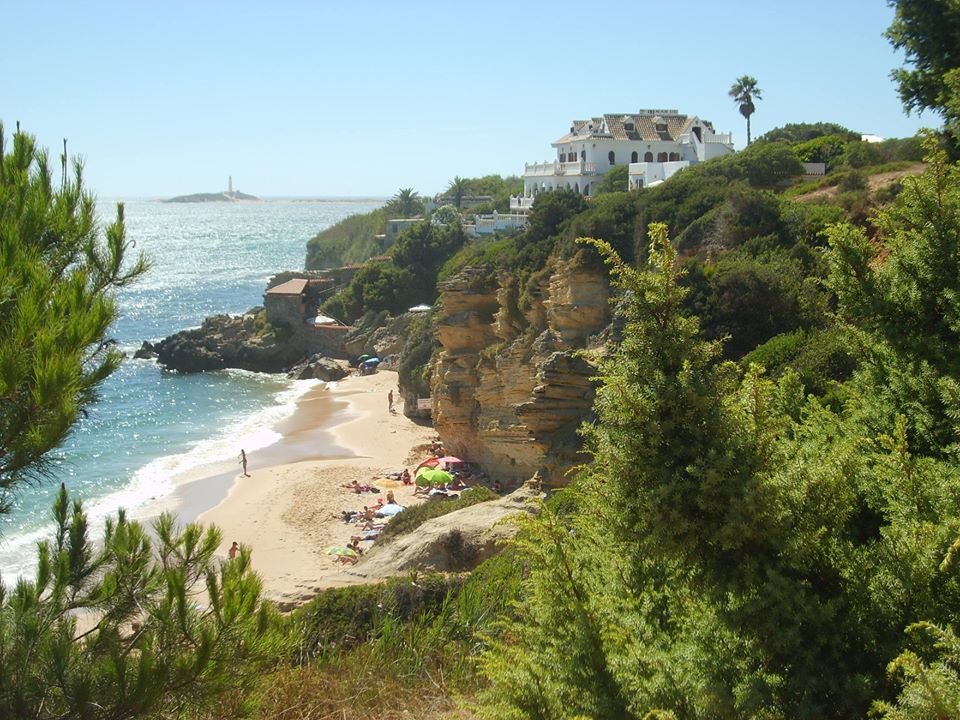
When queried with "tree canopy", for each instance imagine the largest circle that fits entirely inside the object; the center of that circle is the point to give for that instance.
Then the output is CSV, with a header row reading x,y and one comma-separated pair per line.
x,y
58,273
738,549
743,92
928,31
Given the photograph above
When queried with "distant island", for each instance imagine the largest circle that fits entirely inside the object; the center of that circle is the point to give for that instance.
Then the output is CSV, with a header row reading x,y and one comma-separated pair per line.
x,y
226,196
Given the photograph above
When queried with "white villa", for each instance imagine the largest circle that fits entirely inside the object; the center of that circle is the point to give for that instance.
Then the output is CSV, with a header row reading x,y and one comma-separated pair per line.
x,y
654,143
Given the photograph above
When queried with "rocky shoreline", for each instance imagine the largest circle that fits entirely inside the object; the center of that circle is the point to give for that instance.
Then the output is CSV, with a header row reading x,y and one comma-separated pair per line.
x,y
228,341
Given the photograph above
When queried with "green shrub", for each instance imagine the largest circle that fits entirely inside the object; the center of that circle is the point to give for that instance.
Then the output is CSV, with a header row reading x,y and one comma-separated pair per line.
x,y
413,517
340,618
412,373
350,241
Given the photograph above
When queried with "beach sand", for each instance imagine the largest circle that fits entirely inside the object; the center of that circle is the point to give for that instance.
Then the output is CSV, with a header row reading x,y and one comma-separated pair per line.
x,y
288,509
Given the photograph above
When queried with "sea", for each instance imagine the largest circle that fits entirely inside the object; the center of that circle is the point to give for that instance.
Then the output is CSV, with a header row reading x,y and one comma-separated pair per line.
x,y
150,425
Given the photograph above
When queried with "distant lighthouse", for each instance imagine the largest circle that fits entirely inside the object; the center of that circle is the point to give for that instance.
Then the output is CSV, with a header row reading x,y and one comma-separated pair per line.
x,y
230,184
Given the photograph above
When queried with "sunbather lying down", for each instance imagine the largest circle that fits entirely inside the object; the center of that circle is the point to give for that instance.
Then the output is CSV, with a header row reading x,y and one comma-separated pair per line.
x,y
360,487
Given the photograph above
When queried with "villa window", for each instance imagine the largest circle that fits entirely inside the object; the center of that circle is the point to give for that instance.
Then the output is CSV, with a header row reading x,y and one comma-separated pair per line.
x,y
611,157
583,155
662,157
648,157
674,156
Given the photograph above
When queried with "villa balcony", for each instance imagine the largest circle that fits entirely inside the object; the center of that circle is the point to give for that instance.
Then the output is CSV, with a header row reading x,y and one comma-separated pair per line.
x,y
550,169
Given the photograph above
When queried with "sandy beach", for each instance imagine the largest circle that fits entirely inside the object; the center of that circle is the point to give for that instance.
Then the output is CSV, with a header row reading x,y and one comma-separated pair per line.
x,y
288,509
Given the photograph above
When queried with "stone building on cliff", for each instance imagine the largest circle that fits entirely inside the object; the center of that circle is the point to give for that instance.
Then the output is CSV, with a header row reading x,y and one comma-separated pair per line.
x,y
293,305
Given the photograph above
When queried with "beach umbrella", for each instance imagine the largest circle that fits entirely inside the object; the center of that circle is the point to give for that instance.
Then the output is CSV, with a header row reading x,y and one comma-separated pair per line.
x,y
364,357
428,463
340,550
391,509
433,476
448,460
372,361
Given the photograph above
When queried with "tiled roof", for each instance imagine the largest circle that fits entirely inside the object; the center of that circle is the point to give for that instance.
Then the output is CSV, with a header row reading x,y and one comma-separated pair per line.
x,y
290,287
627,126
644,127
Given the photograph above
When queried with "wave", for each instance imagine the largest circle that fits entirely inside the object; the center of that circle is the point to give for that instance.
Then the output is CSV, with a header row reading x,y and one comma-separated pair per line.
x,y
159,478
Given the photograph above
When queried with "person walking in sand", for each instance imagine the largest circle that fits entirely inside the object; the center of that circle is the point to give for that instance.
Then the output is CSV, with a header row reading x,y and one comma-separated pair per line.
x,y
243,461
390,401
234,549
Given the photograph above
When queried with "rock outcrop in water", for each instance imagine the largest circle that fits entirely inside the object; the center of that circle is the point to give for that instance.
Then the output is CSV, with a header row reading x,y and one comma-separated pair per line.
x,y
227,341
226,196
510,392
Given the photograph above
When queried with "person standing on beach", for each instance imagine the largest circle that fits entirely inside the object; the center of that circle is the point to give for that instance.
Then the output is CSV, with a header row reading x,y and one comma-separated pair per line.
x,y
243,461
234,549
390,401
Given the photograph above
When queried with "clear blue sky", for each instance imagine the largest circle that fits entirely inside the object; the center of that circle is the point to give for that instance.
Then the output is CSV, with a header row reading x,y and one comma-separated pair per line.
x,y
362,98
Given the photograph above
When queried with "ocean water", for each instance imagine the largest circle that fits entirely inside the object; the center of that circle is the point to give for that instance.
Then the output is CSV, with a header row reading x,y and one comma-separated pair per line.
x,y
149,424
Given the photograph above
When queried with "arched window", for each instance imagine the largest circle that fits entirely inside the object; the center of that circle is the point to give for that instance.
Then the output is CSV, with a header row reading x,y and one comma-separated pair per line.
x,y
648,156
633,156
583,154
611,157
661,157
674,156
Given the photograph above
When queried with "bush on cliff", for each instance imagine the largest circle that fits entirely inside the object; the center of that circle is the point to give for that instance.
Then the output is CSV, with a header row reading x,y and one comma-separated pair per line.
x,y
740,550
349,242
408,278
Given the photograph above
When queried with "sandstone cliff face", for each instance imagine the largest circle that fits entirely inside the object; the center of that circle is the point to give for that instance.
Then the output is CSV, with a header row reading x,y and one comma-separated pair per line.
x,y
510,392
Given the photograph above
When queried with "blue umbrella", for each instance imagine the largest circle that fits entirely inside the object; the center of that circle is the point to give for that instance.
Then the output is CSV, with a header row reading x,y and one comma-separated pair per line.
x,y
372,361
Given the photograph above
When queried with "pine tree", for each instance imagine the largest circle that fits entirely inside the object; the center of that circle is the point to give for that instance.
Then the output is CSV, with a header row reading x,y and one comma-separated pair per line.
x,y
134,628
144,624
57,278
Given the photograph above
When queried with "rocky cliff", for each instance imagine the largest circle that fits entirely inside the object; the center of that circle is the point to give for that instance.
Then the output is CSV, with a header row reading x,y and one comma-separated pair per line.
x,y
511,387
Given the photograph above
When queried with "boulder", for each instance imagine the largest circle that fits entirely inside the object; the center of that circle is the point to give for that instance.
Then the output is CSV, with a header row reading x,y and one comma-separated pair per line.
x,y
146,352
455,542
319,367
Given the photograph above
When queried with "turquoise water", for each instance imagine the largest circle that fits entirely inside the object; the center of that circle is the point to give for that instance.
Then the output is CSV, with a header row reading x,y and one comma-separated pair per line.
x,y
150,424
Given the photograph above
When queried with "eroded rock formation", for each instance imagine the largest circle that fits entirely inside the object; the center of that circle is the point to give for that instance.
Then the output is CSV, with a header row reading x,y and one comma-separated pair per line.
x,y
511,388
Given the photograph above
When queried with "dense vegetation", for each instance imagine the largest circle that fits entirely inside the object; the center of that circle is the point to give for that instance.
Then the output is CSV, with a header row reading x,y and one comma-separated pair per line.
x,y
349,242
741,548
114,629
769,528
353,240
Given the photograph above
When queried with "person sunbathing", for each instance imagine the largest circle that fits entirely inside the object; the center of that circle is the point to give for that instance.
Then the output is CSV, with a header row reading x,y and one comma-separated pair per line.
x,y
355,486
353,545
405,477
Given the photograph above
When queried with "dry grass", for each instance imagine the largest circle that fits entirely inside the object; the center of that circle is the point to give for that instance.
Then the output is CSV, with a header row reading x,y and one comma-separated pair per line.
x,y
313,693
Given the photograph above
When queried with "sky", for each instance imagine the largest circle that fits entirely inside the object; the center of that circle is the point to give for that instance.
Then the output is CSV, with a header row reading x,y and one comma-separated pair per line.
x,y
345,99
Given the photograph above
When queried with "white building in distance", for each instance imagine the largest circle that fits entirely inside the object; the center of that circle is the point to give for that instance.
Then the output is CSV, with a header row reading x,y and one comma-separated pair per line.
x,y
654,143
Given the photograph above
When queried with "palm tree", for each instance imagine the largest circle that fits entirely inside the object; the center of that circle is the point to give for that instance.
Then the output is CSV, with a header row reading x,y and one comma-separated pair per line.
x,y
406,203
744,91
457,189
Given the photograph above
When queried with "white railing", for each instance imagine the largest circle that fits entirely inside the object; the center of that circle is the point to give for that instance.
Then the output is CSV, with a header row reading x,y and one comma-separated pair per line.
x,y
521,203
723,138
545,168
578,167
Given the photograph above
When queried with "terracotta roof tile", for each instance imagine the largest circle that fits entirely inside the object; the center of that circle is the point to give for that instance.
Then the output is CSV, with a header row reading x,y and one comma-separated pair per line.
x,y
290,287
